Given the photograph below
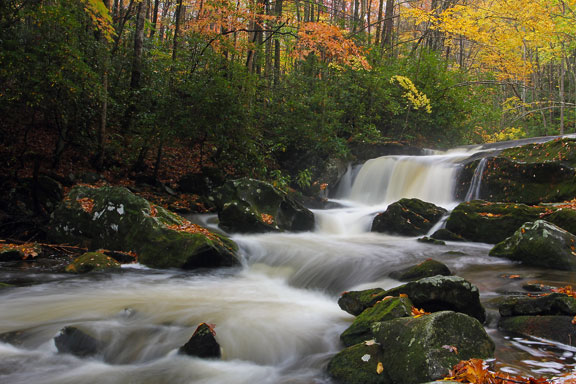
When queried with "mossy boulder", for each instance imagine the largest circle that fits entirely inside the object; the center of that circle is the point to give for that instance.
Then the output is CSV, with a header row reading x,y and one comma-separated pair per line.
x,y
408,217
427,268
540,244
555,328
422,349
359,365
441,293
92,262
114,218
551,304
565,218
446,235
388,309
248,206
202,343
490,222
355,302
13,252
530,174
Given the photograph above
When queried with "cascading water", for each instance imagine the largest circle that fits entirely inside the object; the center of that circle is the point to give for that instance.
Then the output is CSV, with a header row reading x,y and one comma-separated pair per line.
x,y
476,182
275,317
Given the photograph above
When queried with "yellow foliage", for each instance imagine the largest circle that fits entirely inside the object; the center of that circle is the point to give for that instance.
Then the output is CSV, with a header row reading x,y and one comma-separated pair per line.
x,y
414,97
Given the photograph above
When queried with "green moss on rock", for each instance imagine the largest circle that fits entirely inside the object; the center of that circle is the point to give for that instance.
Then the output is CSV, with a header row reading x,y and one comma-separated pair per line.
x,y
408,217
540,244
361,328
427,268
417,350
358,365
114,218
92,262
552,304
355,302
555,328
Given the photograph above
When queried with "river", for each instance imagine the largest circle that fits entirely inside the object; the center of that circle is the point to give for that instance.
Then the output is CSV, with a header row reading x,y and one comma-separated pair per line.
x,y
276,317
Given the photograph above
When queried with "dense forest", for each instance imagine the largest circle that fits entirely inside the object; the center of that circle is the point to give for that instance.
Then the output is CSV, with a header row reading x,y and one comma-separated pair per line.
x,y
274,88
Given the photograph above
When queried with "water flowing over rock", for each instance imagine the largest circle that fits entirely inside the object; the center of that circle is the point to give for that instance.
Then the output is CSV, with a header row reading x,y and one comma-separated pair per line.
x,y
540,244
248,205
422,349
427,268
388,309
202,343
408,217
77,342
530,174
114,218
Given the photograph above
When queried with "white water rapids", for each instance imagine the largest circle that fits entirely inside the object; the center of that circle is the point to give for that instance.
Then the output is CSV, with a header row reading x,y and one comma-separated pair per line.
x,y
276,316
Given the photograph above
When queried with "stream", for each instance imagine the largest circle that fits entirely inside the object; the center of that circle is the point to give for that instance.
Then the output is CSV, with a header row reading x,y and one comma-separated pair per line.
x,y
276,317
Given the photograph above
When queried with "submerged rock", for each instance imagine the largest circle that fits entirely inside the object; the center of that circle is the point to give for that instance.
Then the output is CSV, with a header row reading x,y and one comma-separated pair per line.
x,y
446,235
440,293
427,268
92,262
248,205
359,364
114,218
77,342
555,328
387,309
540,244
422,349
202,343
490,222
408,217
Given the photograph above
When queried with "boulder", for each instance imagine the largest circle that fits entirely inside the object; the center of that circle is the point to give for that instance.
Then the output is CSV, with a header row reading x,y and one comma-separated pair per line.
x,y
77,342
565,218
92,262
14,252
425,348
427,268
359,365
551,304
355,302
446,235
202,343
114,218
441,293
202,183
430,240
387,309
248,206
490,222
555,328
540,244
408,217
530,174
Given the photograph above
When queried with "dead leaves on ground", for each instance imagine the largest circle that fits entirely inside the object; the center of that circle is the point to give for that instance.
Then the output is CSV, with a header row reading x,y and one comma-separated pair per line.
x,y
475,371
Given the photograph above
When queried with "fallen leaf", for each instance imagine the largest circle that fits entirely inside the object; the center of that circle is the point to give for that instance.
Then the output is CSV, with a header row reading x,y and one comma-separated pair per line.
x,y
379,368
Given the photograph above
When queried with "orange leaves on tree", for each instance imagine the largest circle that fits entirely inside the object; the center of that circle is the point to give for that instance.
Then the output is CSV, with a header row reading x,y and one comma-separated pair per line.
x,y
87,204
330,45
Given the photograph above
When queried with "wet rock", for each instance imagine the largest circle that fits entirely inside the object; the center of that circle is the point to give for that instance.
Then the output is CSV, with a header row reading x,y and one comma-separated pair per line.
x,y
537,287
539,244
440,293
359,365
248,205
114,218
16,338
387,309
490,222
15,252
202,343
5,285
429,240
555,328
446,235
529,174
92,262
77,342
408,217
565,218
427,268
552,304
355,302
202,183
418,350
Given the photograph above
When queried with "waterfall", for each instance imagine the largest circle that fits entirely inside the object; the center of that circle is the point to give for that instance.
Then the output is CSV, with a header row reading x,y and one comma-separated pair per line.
x,y
476,182
389,178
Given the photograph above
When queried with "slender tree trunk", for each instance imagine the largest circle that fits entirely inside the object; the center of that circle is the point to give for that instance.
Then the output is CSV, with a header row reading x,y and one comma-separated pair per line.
x,y
388,24
277,50
177,25
379,24
154,18
561,88
101,150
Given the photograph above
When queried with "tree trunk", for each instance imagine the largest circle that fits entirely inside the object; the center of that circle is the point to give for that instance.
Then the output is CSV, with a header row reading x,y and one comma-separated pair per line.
x,y
176,42
562,75
100,154
277,51
154,18
379,24
388,24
